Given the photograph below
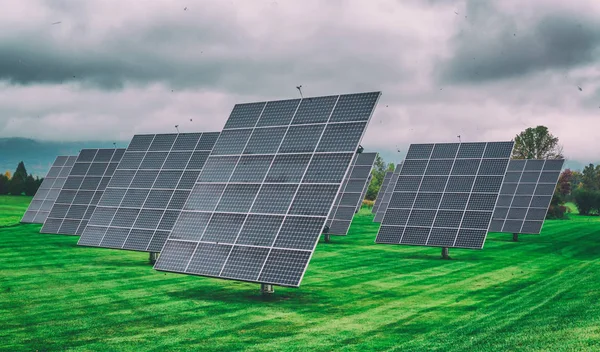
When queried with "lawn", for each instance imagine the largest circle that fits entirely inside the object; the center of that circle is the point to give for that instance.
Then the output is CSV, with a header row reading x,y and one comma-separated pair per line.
x,y
539,294
12,209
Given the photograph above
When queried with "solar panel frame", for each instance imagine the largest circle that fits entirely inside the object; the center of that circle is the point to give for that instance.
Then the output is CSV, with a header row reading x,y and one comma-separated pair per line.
x,y
129,227
338,224
49,189
526,218
465,177
364,192
382,188
298,233
387,194
98,163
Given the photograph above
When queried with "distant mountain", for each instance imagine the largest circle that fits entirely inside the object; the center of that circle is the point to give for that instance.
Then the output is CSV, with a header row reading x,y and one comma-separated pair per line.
x,y
38,156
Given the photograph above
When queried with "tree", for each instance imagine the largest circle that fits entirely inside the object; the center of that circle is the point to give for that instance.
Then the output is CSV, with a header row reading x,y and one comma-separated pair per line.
x,y
557,210
380,167
576,180
7,174
4,181
563,187
18,180
537,143
587,201
590,178
31,185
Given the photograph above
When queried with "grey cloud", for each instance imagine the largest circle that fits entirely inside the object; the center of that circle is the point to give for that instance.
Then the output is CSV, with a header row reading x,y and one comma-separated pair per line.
x,y
209,52
555,41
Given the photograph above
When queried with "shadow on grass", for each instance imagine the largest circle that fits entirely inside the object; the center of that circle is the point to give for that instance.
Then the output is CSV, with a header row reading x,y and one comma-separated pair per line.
x,y
245,294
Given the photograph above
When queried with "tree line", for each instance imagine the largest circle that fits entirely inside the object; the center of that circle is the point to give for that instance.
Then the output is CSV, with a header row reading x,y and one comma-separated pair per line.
x,y
586,189
19,182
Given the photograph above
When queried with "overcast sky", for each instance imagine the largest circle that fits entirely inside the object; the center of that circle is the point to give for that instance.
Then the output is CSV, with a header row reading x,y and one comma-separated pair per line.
x,y
484,70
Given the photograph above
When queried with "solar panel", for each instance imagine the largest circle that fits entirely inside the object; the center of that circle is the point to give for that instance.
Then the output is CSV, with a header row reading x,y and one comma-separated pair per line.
x,y
81,191
525,195
350,198
261,202
364,192
382,188
150,186
445,195
387,195
46,195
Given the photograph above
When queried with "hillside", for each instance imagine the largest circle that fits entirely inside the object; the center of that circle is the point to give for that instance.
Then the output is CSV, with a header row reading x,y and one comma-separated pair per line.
x,y
39,155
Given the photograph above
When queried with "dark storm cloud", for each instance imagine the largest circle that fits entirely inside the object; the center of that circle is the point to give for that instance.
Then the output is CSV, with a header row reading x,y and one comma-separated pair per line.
x,y
208,52
493,46
138,55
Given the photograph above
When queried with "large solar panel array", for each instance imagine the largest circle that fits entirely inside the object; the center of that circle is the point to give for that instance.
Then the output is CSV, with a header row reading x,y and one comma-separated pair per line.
x,y
387,195
349,199
44,198
446,194
148,191
382,188
262,199
81,191
525,195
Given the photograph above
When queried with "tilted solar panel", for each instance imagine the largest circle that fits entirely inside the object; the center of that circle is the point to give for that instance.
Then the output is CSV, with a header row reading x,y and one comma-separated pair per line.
x,y
350,198
525,195
147,192
81,191
364,192
262,199
382,188
387,195
46,195
446,194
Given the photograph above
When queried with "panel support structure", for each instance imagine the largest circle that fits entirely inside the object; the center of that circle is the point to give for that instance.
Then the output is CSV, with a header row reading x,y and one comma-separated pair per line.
x,y
445,253
153,257
327,238
266,289
515,237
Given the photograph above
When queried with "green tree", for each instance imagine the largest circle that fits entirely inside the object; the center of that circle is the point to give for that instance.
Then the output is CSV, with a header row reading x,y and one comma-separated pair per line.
x,y
4,181
537,143
590,178
587,201
31,185
379,169
18,180
557,210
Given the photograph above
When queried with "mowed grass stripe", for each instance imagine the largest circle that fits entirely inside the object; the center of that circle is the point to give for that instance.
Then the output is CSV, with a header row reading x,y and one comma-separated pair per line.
x,y
538,294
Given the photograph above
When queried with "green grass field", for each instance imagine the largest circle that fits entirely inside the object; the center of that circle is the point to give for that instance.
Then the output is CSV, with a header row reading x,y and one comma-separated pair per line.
x,y
540,294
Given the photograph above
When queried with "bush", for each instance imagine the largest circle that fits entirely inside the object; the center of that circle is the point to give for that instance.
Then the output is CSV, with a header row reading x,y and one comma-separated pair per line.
x,y
368,203
556,212
587,202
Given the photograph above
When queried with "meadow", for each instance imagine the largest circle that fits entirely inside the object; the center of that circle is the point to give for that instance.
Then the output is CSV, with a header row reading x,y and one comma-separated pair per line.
x,y
538,294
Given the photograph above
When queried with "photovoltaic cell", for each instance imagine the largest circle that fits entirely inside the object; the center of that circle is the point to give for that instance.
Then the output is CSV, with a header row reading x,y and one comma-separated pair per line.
x,y
355,183
445,195
46,196
151,184
525,195
258,217
384,184
84,186
387,195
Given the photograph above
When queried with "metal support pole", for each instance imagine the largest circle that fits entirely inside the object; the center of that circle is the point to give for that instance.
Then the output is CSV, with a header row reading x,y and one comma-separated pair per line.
x,y
445,253
153,257
515,237
327,238
266,289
